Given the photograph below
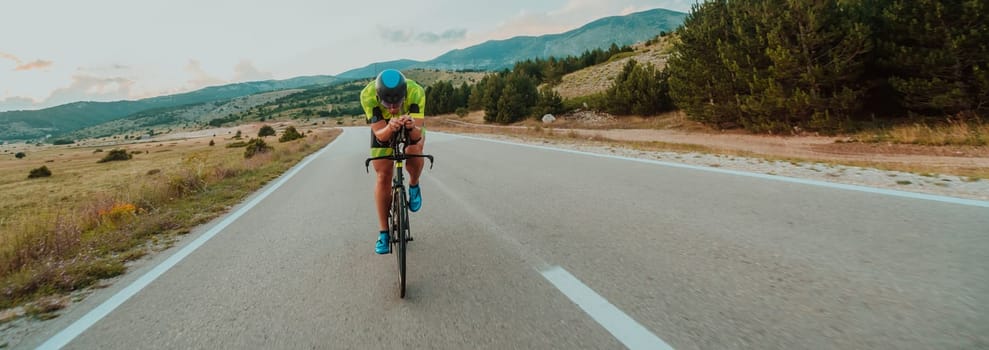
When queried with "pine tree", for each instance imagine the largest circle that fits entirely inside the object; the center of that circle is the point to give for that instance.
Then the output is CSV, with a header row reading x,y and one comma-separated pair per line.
x,y
639,89
494,85
462,95
772,65
700,82
517,98
937,54
549,102
813,78
475,100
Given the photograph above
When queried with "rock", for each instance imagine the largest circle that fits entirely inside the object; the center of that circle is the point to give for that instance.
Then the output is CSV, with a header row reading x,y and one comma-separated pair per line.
x,y
549,118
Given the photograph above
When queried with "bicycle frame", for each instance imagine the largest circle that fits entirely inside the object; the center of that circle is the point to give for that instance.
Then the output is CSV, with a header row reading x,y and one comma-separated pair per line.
x,y
398,230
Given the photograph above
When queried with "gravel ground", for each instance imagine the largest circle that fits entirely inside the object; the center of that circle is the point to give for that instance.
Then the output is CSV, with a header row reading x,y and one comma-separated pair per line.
x,y
938,184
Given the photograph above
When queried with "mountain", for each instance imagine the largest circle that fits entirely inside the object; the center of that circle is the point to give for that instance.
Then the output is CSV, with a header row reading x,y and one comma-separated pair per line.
x,y
58,120
499,54
180,116
373,68
491,55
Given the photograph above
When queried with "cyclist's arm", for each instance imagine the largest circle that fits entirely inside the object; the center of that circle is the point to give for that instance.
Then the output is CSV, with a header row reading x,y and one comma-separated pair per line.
x,y
415,134
382,129
379,125
417,110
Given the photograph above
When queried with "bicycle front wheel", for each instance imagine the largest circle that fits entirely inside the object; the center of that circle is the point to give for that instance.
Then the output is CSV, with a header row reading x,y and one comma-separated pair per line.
x,y
401,237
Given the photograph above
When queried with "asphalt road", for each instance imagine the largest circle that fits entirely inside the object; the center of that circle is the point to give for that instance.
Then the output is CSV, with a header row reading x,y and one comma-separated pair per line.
x,y
523,247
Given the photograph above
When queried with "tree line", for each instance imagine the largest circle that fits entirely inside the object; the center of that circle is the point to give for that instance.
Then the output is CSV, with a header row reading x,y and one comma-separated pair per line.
x,y
513,95
777,66
772,65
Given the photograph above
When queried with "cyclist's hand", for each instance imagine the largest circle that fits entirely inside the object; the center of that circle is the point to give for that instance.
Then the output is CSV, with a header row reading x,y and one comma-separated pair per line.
x,y
409,122
395,124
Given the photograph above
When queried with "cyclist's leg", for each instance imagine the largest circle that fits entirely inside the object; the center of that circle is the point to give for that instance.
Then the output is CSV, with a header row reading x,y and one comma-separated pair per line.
x,y
382,190
415,165
382,187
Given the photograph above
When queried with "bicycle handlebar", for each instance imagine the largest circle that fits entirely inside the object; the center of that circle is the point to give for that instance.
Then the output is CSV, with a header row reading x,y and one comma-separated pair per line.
x,y
396,140
367,162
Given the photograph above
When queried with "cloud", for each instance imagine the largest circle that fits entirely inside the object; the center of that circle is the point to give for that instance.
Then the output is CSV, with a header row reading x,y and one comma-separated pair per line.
x,y
571,15
395,35
10,57
579,6
245,71
448,35
83,86
17,103
409,35
529,24
19,64
37,64
91,88
199,76
104,68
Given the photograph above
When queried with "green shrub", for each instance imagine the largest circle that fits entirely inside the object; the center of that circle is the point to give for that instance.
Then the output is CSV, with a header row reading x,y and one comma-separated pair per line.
x,y
266,130
40,172
595,102
255,147
290,134
621,55
63,142
20,155
237,144
461,112
115,155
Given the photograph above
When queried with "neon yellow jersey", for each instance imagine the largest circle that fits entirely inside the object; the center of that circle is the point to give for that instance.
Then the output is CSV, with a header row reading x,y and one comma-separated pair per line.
x,y
414,95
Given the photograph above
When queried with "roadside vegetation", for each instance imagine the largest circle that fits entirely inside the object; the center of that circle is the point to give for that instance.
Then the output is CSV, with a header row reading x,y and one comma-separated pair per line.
x,y
87,219
897,71
583,133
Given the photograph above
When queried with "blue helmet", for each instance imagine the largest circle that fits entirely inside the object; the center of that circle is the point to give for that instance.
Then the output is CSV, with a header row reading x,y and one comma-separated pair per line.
x,y
391,88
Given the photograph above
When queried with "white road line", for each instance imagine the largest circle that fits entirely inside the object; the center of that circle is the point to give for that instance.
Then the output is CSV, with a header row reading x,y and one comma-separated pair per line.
x,y
81,325
905,194
620,325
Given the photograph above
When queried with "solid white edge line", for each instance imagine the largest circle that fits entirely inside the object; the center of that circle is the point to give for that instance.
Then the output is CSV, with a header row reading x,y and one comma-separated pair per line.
x,y
629,332
860,188
66,335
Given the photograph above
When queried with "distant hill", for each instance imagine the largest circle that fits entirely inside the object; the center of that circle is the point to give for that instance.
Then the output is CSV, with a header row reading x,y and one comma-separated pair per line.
x,y
184,116
598,78
214,101
373,68
498,54
59,120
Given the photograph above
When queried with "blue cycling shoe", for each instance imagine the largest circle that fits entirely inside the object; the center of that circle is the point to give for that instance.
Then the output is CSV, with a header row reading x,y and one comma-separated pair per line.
x,y
382,247
415,198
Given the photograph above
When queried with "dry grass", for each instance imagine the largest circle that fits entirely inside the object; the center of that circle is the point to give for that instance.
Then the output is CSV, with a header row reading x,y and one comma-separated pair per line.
x,y
428,77
952,133
598,78
83,223
564,132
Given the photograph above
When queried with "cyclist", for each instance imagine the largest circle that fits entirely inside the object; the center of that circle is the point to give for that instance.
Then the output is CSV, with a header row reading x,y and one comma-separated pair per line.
x,y
390,102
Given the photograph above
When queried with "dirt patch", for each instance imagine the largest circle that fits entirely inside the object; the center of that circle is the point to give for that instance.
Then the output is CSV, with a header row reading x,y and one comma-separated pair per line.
x,y
967,160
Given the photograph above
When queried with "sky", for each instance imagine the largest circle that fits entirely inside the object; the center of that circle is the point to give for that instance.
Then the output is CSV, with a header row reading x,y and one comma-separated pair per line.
x,y
54,52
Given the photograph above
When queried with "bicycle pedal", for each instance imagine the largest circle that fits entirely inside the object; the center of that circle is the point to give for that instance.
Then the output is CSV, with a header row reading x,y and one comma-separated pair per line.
x,y
409,239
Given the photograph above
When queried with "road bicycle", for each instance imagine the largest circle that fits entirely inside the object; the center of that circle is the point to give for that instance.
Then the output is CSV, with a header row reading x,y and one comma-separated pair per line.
x,y
398,215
